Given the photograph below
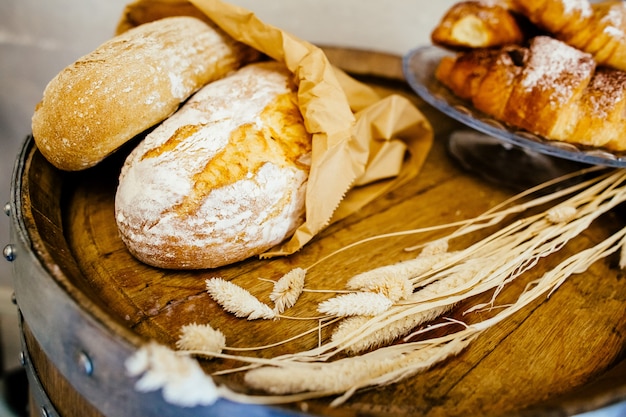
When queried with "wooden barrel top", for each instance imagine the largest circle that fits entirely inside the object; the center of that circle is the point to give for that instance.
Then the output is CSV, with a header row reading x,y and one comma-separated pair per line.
x,y
561,355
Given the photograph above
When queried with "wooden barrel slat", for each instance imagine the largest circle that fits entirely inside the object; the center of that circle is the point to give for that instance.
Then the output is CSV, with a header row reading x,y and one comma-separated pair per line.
x,y
561,354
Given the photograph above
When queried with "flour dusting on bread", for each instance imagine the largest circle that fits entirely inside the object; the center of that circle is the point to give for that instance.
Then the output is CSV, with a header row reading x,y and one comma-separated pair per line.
x,y
222,179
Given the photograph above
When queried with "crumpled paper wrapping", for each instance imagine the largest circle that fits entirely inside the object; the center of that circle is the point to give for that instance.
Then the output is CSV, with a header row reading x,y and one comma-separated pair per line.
x,y
363,145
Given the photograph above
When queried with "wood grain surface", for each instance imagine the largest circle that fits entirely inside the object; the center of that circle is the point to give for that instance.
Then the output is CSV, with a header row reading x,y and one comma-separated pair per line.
x,y
560,355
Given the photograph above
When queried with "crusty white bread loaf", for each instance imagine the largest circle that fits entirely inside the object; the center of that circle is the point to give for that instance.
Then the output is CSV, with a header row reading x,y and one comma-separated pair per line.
x,y
221,180
127,85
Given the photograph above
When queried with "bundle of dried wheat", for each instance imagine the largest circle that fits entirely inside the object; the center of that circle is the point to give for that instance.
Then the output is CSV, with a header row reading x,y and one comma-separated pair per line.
x,y
387,304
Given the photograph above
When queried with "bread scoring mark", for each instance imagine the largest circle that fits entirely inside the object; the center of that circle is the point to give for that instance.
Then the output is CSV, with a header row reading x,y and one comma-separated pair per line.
x,y
279,138
182,133
285,124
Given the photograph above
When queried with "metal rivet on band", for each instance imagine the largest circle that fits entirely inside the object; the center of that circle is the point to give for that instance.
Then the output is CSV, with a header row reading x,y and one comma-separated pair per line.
x,y
9,253
22,358
85,363
44,412
7,209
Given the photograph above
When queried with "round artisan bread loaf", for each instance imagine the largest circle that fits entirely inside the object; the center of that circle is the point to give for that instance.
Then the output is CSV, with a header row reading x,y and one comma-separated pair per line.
x,y
127,85
221,180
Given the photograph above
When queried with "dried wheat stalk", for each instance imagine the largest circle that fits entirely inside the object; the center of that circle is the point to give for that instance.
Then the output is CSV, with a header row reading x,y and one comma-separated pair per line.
x,y
237,300
424,288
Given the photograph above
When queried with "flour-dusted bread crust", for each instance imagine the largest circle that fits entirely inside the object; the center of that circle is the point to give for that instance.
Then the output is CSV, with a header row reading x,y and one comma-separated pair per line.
x,y
127,85
221,180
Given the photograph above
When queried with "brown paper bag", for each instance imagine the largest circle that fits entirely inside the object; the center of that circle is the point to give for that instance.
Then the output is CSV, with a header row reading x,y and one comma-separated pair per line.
x,y
363,146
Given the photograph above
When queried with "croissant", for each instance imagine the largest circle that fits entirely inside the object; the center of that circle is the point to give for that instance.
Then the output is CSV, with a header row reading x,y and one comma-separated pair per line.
x,y
596,28
478,24
548,88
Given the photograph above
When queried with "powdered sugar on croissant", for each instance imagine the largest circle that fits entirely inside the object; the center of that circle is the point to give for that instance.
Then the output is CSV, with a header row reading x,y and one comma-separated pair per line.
x,y
549,88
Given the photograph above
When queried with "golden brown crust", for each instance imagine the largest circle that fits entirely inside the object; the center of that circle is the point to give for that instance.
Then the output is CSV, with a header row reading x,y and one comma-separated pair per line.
x,y
604,104
595,28
464,73
127,85
477,24
496,86
552,80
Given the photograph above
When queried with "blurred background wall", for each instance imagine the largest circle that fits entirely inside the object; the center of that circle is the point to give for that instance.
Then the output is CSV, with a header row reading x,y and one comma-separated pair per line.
x,y
39,38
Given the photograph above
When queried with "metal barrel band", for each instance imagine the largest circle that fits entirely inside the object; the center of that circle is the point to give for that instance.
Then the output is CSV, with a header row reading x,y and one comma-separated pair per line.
x,y
39,395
